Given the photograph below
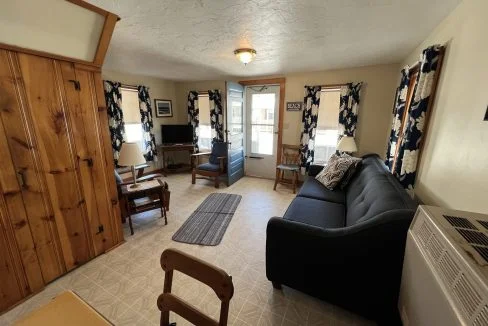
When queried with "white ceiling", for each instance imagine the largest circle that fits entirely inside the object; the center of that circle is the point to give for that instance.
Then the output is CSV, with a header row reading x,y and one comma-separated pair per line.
x,y
195,39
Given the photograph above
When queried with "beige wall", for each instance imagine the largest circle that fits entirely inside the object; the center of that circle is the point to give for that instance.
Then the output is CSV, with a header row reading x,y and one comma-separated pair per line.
x,y
183,88
453,171
377,95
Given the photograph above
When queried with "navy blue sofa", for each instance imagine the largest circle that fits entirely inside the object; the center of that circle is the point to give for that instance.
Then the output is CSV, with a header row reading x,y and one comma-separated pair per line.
x,y
345,246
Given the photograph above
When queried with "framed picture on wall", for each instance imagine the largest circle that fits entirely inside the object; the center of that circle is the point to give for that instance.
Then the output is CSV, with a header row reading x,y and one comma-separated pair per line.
x,y
163,108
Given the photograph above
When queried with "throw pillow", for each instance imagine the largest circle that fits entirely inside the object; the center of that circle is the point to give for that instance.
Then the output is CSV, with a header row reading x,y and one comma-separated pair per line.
x,y
332,174
351,170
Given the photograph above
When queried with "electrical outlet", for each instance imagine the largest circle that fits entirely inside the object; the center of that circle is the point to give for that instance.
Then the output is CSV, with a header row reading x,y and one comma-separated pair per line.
x,y
486,114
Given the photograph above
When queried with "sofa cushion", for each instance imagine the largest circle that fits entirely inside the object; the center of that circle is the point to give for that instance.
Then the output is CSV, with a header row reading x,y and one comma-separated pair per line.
x,y
315,212
374,190
312,188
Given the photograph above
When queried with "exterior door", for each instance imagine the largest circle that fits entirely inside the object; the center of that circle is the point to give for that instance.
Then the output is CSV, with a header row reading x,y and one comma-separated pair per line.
x,y
262,109
235,131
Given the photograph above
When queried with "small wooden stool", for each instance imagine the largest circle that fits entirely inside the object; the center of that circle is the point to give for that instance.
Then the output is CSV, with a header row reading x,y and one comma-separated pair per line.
x,y
290,161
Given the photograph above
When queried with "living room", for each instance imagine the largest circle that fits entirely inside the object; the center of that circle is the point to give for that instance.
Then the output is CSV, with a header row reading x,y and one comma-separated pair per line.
x,y
274,154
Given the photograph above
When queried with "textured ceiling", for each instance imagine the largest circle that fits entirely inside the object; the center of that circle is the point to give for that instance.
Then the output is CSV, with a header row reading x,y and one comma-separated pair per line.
x,y
195,39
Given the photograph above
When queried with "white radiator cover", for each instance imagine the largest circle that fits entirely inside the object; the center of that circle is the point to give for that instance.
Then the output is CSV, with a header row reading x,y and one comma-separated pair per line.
x,y
445,278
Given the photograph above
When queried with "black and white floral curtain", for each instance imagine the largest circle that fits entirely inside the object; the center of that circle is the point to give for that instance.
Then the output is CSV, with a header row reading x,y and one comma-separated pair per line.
x,y
309,120
149,142
348,110
406,165
193,114
113,98
216,115
398,114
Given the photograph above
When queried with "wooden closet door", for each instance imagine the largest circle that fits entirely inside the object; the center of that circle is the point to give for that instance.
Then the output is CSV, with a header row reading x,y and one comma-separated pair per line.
x,y
81,97
28,216
57,150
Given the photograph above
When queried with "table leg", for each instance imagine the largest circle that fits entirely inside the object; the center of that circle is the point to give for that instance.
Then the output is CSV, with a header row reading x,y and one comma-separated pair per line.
x,y
130,226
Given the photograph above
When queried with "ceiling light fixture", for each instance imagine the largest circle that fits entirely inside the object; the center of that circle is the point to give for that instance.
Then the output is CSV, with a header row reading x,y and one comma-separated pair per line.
x,y
245,55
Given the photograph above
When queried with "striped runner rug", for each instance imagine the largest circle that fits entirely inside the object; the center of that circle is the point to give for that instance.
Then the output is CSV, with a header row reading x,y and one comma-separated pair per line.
x,y
207,224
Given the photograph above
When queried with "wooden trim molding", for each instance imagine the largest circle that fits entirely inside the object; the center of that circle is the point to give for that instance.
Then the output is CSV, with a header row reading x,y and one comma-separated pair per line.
x,y
105,37
103,43
282,83
91,7
267,81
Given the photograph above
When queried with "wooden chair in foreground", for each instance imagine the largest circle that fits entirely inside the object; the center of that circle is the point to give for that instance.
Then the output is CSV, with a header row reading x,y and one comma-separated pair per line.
x,y
215,166
214,277
290,161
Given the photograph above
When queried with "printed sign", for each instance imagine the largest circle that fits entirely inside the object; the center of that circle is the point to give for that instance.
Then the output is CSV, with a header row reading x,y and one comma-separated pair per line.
x,y
294,106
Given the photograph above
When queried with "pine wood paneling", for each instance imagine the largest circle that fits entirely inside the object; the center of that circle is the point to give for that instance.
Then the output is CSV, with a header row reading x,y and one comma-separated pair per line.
x,y
44,92
108,163
11,287
83,117
32,221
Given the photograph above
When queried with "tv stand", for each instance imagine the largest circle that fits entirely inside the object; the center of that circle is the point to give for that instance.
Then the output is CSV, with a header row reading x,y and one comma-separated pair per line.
x,y
175,168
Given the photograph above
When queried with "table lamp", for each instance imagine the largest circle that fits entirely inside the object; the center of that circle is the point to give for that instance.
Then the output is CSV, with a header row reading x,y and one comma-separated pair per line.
x,y
131,155
347,144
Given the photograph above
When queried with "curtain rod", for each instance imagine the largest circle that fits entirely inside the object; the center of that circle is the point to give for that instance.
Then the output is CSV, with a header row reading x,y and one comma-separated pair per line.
x,y
333,85
133,87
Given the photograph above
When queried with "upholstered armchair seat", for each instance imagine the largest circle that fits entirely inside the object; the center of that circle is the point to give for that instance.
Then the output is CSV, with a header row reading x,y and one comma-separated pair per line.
x,y
209,167
216,165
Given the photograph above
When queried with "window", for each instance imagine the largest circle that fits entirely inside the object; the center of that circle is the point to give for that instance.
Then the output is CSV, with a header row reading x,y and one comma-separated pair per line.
x,y
395,146
132,116
327,131
205,129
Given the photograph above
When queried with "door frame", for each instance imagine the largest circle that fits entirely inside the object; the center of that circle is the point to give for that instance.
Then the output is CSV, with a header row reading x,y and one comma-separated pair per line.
x,y
273,81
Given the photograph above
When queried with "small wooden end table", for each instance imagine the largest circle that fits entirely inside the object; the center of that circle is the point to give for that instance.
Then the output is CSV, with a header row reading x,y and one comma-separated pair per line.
x,y
151,194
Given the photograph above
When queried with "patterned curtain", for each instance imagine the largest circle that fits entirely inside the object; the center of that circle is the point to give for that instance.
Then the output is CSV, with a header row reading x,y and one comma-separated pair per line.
x,y
398,112
309,120
216,116
113,97
193,116
149,152
348,111
406,166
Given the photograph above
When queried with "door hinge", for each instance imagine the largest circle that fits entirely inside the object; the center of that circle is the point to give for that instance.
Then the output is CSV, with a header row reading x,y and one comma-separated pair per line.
x,y
76,83
100,229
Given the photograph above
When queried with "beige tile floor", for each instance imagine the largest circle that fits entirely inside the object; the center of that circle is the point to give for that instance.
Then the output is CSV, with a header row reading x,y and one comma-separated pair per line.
x,y
125,283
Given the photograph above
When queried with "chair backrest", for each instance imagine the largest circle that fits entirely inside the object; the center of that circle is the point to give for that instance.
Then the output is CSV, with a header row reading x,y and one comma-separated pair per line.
x,y
290,154
219,149
214,277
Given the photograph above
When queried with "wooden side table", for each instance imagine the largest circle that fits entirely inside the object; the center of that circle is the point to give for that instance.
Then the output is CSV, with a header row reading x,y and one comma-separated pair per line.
x,y
152,195
175,148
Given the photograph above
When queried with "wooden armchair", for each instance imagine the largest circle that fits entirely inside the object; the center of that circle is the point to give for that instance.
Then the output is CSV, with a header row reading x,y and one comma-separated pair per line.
x,y
214,277
216,166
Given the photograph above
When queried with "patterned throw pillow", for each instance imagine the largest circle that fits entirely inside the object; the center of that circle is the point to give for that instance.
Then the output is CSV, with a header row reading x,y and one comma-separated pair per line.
x,y
335,170
352,169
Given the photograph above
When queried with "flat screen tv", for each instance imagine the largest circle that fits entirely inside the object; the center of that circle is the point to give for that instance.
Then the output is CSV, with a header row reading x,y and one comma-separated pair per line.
x,y
176,134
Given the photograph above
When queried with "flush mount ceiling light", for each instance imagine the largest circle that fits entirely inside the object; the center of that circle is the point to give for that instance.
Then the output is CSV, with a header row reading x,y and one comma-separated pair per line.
x,y
245,55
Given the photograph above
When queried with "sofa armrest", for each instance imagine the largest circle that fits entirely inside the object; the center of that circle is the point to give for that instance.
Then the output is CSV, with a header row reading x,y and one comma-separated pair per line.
x,y
343,266
315,169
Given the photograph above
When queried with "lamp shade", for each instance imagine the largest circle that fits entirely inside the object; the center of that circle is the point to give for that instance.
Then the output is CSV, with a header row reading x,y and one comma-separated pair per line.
x,y
347,144
130,154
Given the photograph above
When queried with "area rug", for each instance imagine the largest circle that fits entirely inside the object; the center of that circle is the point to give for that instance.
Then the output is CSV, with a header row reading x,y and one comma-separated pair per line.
x,y
207,224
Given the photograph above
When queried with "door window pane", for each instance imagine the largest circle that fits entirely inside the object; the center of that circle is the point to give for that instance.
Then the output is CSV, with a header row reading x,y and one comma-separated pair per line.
x,y
263,107
262,139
